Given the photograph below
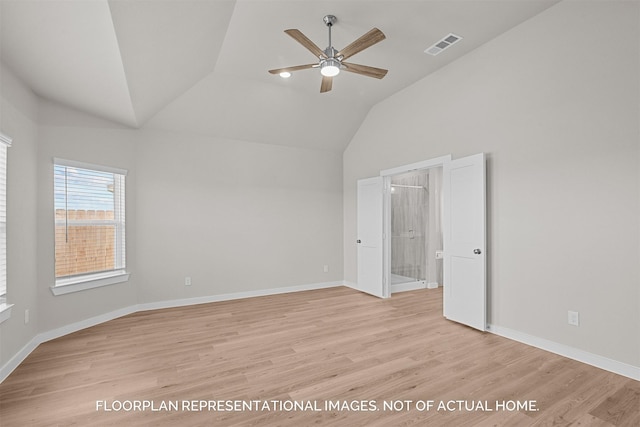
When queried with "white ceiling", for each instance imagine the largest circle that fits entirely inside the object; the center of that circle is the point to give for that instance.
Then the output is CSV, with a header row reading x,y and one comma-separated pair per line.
x,y
201,65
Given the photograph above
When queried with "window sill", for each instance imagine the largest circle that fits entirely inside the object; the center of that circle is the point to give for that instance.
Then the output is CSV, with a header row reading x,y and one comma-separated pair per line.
x,y
5,311
77,284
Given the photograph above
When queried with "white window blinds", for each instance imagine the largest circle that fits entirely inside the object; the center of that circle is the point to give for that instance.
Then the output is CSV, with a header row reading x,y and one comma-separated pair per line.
x,y
89,220
5,142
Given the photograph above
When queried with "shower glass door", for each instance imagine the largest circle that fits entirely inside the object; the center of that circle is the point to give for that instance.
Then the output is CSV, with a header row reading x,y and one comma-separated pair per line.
x,y
409,221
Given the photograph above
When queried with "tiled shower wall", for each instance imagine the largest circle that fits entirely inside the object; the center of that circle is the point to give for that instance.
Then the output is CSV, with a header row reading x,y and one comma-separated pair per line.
x,y
415,225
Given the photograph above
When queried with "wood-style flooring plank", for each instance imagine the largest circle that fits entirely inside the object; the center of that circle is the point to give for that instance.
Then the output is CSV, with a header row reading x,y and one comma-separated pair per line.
x,y
332,345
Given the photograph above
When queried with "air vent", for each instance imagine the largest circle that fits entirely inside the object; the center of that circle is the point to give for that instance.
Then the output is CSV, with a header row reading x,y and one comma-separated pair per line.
x,y
442,44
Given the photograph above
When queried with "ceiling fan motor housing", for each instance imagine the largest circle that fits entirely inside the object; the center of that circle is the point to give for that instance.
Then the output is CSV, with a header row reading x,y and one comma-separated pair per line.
x,y
331,52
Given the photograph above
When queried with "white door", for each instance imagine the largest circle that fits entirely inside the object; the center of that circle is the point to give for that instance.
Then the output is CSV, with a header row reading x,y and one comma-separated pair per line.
x,y
465,247
370,237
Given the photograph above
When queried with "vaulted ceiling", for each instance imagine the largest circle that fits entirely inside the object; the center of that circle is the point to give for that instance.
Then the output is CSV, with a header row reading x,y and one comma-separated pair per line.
x,y
201,66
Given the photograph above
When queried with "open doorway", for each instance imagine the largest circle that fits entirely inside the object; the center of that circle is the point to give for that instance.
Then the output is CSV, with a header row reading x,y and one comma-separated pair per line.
x,y
420,210
463,223
416,230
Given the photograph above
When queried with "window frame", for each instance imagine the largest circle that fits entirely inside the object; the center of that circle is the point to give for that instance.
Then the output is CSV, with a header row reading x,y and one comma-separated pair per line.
x,y
119,274
5,307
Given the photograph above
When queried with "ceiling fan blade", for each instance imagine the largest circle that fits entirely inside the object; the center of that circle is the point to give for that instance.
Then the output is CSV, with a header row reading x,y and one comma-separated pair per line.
x,y
369,39
304,41
326,84
365,70
291,69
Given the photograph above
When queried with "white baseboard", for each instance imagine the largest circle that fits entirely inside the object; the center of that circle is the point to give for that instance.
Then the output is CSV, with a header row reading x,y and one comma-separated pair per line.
x,y
17,358
409,286
432,285
235,295
601,362
351,285
607,364
83,324
57,333
15,361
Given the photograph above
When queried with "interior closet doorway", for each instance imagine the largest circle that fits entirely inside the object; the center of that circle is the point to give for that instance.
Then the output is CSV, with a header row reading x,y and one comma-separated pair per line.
x,y
416,230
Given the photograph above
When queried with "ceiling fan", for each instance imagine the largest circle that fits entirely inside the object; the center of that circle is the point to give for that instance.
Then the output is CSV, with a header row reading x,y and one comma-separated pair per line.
x,y
331,61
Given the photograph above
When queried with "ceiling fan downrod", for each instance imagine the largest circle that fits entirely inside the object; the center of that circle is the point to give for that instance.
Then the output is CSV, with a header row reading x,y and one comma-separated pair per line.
x,y
330,66
329,20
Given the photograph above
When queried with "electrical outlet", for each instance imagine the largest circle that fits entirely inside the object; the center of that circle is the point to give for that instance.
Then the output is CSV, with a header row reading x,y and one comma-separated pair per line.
x,y
574,318
187,281
26,316
325,268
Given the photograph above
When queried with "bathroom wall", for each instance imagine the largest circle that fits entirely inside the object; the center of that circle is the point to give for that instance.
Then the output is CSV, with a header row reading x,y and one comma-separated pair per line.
x,y
409,224
416,226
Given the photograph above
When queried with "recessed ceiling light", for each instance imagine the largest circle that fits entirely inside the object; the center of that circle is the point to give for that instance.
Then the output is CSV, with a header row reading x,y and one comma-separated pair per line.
x,y
285,74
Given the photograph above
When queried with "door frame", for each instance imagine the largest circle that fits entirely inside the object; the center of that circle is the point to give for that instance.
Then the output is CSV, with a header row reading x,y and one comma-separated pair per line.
x,y
370,243
471,250
387,174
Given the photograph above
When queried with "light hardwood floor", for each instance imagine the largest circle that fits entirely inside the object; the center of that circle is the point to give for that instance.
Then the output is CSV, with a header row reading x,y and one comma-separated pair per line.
x,y
311,347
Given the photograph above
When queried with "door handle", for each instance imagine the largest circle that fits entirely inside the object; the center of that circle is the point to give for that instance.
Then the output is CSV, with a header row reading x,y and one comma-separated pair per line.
x,y
358,241
477,251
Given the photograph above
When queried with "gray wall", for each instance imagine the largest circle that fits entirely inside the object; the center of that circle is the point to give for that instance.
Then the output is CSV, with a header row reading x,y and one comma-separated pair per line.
x,y
71,135
234,216
555,104
18,120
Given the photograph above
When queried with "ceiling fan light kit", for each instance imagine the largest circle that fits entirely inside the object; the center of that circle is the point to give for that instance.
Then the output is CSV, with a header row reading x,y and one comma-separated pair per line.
x,y
330,67
331,61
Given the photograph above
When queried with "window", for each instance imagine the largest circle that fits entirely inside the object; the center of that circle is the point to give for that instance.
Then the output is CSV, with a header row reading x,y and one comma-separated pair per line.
x,y
89,226
5,142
